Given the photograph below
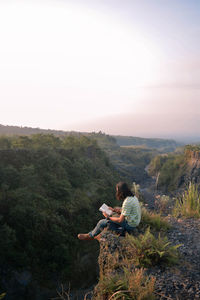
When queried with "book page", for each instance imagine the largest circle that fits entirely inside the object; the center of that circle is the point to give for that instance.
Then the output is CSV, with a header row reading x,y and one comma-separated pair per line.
x,y
105,208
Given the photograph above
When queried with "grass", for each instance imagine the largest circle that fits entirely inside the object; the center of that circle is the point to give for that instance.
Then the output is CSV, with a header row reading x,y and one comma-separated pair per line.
x,y
164,204
130,284
122,274
120,279
153,220
189,204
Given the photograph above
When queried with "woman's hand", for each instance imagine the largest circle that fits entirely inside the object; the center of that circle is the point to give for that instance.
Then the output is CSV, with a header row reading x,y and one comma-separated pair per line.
x,y
105,214
117,210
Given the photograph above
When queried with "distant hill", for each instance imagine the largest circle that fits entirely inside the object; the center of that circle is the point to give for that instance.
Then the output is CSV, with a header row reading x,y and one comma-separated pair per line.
x,y
168,144
17,130
165,144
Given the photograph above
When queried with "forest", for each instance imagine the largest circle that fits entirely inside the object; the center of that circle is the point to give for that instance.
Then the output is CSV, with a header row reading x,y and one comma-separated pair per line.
x,y
50,190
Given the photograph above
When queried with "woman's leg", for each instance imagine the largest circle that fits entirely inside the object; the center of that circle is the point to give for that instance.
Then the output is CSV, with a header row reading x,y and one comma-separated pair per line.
x,y
112,226
99,227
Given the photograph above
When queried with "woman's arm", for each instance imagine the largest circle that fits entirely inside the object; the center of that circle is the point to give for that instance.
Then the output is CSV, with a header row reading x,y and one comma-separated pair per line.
x,y
119,219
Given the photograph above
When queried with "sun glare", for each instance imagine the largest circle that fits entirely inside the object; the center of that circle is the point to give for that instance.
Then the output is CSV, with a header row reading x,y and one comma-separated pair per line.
x,y
56,48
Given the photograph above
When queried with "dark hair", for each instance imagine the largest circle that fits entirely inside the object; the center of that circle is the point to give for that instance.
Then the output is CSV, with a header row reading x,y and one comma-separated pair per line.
x,y
123,191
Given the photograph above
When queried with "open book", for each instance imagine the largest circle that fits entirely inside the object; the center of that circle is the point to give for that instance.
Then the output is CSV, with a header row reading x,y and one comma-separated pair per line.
x,y
105,208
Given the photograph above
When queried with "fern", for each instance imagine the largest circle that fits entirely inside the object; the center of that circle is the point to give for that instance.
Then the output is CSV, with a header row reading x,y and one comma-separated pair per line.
x,y
147,250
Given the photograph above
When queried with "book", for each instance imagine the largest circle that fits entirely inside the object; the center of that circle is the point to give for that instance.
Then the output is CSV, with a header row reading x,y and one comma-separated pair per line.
x,y
105,208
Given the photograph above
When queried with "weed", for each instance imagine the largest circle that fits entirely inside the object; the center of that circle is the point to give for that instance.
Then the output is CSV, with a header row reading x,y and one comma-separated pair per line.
x,y
189,204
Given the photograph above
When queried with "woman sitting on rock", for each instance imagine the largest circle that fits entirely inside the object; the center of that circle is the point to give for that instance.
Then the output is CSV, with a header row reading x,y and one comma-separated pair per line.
x,y
128,218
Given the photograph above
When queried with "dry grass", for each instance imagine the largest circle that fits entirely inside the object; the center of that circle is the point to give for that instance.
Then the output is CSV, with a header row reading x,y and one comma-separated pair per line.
x,y
154,220
129,284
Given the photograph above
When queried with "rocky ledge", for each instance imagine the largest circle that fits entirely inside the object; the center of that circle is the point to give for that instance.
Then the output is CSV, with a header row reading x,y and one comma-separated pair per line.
x,y
180,282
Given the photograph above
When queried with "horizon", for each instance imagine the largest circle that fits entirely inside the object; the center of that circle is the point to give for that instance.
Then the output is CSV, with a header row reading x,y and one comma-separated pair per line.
x,y
178,139
120,68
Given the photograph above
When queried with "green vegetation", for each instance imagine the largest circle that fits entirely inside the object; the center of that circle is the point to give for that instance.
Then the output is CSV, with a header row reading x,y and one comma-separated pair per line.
x,y
129,155
129,285
189,204
147,250
169,170
50,190
153,220
119,278
121,272
193,148
177,169
27,131
161,144
130,162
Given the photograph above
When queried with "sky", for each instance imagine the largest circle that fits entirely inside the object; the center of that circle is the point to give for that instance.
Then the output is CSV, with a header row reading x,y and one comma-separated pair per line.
x,y
128,67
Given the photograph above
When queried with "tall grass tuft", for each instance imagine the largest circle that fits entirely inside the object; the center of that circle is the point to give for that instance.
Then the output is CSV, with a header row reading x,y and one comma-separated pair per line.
x,y
189,204
154,220
129,285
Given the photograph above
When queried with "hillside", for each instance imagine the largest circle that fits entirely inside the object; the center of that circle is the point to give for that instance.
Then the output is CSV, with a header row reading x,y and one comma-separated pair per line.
x,y
50,190
19,130
129,162
176,170
160,144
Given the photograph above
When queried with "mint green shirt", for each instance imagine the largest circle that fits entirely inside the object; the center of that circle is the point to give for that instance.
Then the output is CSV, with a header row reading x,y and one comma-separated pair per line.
x,y
132,211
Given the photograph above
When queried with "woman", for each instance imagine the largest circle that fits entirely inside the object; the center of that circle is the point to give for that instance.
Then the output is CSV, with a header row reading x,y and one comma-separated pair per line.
x,y
129,215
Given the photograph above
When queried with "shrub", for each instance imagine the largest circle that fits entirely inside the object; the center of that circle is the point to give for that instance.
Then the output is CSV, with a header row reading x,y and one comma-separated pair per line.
x,y
147,250
189,204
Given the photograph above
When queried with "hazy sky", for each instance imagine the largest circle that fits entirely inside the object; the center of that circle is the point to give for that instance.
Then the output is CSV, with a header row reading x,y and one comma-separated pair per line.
x,y
124,67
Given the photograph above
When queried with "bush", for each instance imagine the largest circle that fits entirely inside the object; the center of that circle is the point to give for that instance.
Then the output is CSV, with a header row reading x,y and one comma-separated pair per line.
x,y
189,204
147,250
